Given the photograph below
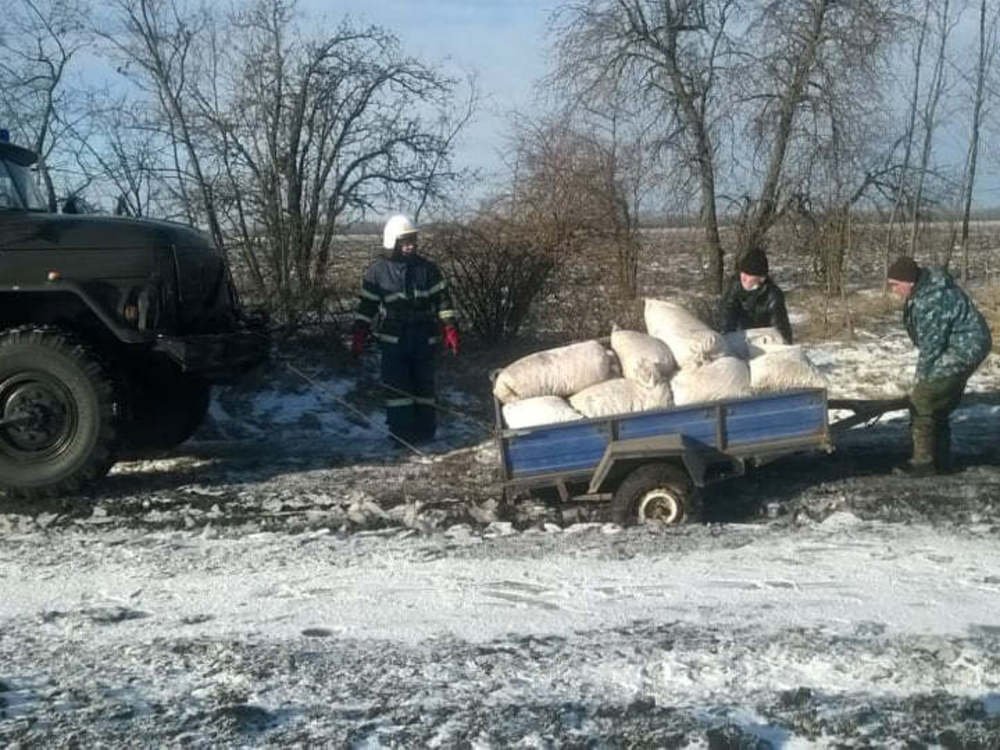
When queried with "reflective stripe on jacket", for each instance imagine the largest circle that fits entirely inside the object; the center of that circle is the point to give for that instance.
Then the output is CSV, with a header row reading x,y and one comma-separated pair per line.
x,y
398,292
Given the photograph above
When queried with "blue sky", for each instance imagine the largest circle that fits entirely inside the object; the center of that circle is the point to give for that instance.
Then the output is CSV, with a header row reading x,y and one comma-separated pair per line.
x,y
505,43
502,41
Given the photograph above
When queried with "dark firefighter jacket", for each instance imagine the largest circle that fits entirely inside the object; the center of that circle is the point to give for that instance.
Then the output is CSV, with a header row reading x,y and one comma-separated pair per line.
x,y
412,295
762,307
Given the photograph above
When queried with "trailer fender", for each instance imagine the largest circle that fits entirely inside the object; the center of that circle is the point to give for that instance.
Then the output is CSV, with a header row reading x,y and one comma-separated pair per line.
x,y
699,461
622,455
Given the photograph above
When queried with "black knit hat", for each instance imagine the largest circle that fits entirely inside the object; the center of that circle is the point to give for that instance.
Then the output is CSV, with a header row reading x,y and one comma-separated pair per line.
x,y
904,268
754,263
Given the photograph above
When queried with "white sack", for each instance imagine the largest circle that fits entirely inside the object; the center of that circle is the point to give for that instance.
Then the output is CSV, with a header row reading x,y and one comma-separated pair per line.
x,y
644,359
531,412
620,396
726,377
556,372
691,341
784,368
752,342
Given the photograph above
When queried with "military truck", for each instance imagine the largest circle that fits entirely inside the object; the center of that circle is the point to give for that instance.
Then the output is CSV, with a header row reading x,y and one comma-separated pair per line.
x,y
112,332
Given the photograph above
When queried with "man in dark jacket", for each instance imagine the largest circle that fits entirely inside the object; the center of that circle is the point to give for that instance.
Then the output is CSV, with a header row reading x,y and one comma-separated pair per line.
x,y
407,297
753,300
953,339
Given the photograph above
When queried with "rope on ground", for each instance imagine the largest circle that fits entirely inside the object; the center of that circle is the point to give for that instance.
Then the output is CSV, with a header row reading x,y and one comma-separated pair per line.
x,y
439,407
357,412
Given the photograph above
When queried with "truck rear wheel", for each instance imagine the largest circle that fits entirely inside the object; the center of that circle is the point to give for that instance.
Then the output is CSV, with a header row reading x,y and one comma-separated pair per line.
x,y
57,412
654,493
165,409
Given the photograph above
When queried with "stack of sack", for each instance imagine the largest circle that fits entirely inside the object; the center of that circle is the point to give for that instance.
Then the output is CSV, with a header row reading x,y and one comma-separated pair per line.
x,y
680,361
774,365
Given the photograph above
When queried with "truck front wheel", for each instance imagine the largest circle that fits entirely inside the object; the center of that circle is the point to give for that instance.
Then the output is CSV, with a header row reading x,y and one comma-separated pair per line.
x,y
654,493
57,412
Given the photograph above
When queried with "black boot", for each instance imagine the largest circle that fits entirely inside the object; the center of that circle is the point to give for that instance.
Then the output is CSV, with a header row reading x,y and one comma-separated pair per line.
x,y
942,448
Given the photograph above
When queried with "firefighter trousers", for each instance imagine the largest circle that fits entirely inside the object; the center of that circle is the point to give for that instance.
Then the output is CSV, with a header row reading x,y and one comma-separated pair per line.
x,y
407,368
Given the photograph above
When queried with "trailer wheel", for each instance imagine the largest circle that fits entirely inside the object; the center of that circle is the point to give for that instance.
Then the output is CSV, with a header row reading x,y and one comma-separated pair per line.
x,y
657,493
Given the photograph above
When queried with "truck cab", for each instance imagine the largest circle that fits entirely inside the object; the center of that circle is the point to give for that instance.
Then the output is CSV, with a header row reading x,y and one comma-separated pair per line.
x,y
112,332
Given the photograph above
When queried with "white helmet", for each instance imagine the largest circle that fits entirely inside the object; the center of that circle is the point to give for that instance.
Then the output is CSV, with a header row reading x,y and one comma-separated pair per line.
x,y
398,226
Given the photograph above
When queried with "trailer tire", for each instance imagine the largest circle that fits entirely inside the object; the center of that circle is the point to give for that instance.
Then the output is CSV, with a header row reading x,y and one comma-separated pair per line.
x,y
654,493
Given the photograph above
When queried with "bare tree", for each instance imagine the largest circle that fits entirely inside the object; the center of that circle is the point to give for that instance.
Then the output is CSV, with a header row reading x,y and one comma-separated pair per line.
x,y
944,25
283,135
666,54
40,38
701,64
127,154
155,43
800,55
579,186
908,135
987,37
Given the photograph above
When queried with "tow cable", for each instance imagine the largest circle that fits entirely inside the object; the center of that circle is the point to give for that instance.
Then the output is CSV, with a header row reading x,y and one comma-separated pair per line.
x,y
385,431
378,427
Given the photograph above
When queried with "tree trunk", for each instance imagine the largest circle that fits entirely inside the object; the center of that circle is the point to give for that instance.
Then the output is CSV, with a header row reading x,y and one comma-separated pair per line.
x,y
930,112
762,217
970,171
908,149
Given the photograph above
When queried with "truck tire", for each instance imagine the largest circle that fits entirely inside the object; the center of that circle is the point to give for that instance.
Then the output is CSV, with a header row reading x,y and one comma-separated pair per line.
x,y
59,406
165,409
654,493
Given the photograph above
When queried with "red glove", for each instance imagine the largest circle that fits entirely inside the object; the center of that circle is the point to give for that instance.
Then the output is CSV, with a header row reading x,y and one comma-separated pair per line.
x,y
449,334
358,341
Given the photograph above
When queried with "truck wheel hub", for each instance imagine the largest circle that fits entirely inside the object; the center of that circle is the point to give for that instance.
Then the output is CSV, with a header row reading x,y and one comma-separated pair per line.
x,y
660,506
43,414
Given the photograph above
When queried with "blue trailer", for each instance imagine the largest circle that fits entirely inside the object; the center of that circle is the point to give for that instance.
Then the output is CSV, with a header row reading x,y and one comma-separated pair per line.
x,y
648,464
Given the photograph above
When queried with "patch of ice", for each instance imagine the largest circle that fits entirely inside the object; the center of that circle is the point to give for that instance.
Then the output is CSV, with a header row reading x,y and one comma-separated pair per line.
x,y
841,519
991,704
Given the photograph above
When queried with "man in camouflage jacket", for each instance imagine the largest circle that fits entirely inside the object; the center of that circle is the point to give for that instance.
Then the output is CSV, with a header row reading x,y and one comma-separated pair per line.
x,y
953,339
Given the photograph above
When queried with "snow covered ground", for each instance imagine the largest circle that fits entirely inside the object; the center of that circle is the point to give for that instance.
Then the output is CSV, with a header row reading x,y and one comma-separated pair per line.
x,y
288,579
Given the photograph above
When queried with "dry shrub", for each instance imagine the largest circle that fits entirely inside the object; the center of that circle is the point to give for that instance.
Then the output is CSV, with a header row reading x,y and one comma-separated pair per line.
x,y
831,317
496,272
578,311
988,300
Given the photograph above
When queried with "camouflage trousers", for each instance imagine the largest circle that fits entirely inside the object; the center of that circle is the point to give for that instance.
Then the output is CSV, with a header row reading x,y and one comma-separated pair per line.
x,y
931,405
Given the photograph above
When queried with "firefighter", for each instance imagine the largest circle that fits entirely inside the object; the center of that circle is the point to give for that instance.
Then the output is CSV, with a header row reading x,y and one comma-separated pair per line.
x,y
753,300
405,298
953,339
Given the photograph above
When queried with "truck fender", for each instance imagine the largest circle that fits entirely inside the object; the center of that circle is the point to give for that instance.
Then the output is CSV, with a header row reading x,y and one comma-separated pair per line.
x,y
120,331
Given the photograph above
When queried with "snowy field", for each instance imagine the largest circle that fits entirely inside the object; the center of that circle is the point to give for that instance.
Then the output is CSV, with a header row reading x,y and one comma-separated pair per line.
x,y
287,579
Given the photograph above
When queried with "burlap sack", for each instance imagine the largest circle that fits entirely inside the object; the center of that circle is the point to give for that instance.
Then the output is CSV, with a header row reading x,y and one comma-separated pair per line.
x,y
620,396
783,368
752,342
691,342
531,412
643,358
556,372
726,377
